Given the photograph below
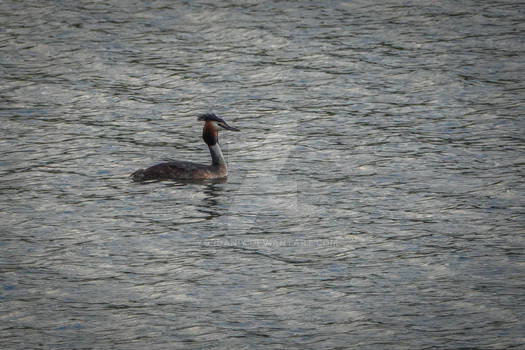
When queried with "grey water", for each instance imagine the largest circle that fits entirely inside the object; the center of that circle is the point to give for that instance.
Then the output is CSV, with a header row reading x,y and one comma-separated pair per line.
x,y
375,197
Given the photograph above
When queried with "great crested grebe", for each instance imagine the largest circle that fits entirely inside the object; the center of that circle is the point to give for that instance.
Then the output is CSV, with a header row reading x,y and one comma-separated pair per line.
x,y
182,170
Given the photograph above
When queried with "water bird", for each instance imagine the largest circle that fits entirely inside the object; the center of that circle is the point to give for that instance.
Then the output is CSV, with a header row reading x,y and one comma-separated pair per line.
x,y
184,170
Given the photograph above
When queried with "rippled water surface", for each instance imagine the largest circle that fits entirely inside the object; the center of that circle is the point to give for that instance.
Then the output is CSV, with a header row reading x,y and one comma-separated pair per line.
x,y
375,196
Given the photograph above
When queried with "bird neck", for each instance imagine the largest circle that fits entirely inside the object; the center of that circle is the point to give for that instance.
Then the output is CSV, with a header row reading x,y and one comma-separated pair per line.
x,y
217,157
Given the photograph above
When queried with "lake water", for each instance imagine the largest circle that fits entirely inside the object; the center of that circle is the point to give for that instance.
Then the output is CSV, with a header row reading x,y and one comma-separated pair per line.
x,y
375,197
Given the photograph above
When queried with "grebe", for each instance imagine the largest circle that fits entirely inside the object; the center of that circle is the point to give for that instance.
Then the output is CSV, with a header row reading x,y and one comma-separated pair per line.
x,y
182,170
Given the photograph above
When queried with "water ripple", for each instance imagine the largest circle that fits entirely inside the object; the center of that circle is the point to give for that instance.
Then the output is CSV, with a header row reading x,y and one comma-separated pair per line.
x,y
375,191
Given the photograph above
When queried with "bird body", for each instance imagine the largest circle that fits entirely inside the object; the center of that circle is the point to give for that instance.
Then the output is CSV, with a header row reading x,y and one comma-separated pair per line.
x,y
184,170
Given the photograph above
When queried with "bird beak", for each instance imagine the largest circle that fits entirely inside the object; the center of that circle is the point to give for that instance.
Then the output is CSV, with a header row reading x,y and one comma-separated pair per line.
x,y
224,125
